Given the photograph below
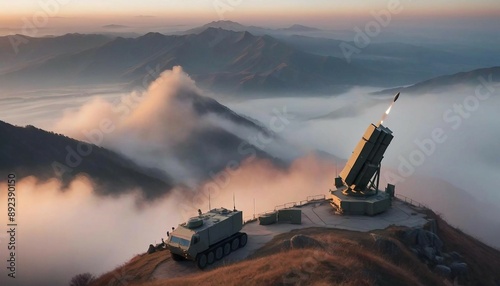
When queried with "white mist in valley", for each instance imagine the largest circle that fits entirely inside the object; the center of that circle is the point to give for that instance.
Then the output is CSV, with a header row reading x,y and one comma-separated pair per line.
x,y
64,233
444,153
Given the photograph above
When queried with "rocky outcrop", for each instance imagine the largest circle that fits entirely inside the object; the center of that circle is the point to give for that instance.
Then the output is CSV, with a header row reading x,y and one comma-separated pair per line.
x,y
427,245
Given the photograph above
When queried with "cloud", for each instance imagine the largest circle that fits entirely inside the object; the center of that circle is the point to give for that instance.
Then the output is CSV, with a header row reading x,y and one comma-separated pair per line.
x,y
163,114
166,115
262,181
145,126
61,234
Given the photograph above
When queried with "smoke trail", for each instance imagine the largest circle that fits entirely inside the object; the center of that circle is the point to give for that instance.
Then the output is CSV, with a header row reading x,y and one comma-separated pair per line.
x,y
384,116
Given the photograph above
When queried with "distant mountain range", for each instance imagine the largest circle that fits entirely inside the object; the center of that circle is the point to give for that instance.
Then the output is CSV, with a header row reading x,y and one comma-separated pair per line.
x,y
406,63
115,26
260,31
216,58
230,26
472,78
18,51
300,28
225,56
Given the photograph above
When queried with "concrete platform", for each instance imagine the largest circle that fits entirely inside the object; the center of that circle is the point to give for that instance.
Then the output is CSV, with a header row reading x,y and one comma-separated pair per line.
x,y
315,214
370,205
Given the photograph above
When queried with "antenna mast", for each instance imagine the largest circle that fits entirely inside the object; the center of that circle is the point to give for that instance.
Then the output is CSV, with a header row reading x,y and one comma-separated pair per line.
x,y
209,208
234,203
253,207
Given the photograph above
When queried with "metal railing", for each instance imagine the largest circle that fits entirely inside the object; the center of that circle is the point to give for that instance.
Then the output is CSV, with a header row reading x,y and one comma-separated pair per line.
x,y
411,201
316,198
308,200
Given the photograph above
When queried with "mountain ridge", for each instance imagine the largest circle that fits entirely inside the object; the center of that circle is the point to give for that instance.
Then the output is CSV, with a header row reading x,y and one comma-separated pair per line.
x,y
60,157
216,58
472,78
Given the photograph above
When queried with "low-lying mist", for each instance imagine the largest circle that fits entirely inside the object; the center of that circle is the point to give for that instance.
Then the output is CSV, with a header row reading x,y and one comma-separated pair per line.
x,y
61,234
259,186
444,154
172,126
143,125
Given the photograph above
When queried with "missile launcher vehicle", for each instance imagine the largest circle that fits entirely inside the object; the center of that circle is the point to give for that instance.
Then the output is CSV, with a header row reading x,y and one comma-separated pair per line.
x,y
207,237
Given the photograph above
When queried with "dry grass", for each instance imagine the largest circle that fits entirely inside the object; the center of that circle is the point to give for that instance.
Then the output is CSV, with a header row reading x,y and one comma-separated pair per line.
x,y
137,270
290,267
347,258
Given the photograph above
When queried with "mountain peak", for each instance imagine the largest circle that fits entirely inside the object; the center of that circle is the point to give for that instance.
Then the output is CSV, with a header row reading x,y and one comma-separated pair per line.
x,y
300,28
224,22
226,25
214,31
152,35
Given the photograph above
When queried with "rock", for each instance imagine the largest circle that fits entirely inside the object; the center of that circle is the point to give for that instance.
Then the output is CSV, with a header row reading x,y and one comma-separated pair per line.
x,y
433,226
151,249
411,236
420,239
302,241
415,251
458,269
456,256
435,241
443,270
429,253
439,259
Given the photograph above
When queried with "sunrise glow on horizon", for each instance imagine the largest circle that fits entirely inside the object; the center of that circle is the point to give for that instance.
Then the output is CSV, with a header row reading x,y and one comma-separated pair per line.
x,y
69,15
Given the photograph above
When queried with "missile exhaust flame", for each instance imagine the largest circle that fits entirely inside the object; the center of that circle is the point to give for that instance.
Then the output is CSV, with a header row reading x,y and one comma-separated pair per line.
x,y
384,116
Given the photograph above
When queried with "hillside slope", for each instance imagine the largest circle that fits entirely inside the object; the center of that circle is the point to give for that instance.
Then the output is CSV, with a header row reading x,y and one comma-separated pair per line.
x,y
18,51
29,151
343,257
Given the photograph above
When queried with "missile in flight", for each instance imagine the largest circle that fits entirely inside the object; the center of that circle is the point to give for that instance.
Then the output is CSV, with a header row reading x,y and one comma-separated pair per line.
x,y
384,116
396,97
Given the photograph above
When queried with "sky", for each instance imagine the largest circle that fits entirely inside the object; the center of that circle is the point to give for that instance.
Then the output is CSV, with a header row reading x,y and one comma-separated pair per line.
x,y
75,14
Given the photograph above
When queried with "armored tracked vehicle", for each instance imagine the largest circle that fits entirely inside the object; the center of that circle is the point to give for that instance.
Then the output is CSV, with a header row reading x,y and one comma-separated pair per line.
x,y
207,237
